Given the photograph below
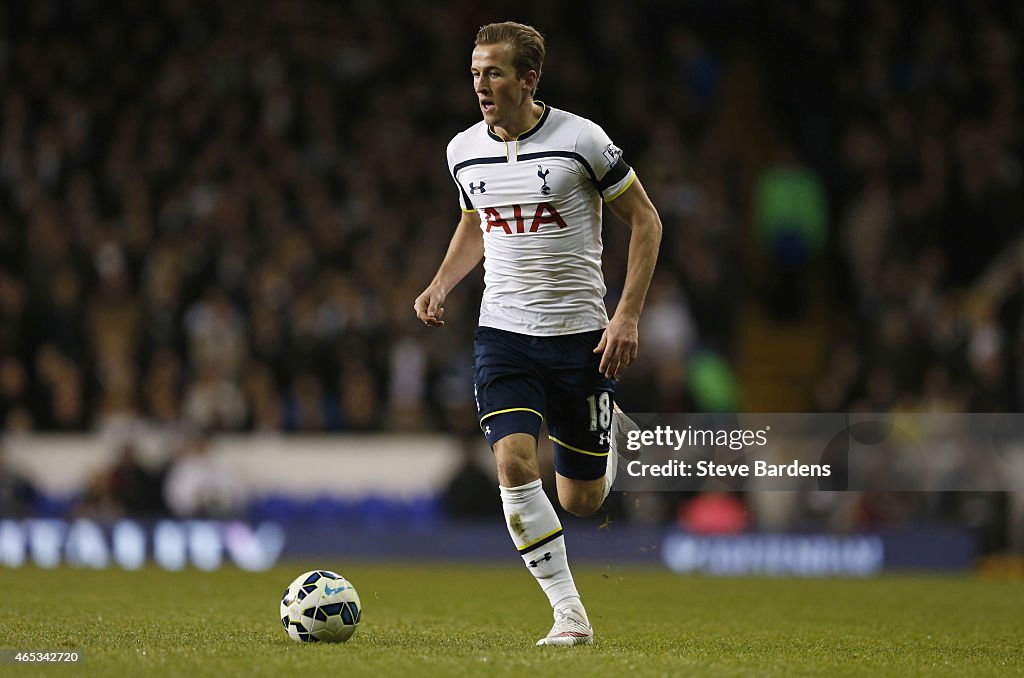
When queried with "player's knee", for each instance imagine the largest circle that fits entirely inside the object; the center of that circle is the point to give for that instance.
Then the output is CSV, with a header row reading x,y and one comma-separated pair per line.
x,y
516,462
513,471
581,504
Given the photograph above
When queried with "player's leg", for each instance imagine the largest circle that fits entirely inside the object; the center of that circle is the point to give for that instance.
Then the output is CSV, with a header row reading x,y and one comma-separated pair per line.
x,y
580,497
536,530
584,497
510,400
580,424
582,487
577,396
515,457
532,522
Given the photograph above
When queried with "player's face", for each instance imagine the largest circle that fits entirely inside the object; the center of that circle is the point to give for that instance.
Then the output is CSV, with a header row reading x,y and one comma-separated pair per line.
x,y
500,93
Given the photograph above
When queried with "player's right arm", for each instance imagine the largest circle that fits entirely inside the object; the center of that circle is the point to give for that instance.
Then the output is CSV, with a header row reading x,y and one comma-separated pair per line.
x,y
464,252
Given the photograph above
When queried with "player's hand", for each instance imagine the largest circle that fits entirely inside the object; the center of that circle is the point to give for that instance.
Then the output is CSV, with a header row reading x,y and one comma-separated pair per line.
x,y
428,306
618,346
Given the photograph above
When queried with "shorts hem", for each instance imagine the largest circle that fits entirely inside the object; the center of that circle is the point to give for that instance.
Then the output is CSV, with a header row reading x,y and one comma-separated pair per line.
x,y
510,409
576,449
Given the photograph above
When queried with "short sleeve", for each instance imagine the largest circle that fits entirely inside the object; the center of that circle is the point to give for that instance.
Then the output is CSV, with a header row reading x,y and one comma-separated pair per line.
x,y
612,175
464,202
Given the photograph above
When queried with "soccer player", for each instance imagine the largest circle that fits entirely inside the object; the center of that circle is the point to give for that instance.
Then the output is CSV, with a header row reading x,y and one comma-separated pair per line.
x,y
531,181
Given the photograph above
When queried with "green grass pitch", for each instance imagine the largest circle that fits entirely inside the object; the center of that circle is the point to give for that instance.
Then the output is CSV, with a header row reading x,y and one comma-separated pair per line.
x,y
466,620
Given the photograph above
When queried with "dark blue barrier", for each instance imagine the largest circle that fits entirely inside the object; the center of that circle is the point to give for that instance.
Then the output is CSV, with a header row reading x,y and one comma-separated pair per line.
x,y
819,555
416,532
929,548
586,540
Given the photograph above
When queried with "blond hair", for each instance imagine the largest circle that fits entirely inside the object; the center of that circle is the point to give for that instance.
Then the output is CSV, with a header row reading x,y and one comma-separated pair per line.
x,y
527,45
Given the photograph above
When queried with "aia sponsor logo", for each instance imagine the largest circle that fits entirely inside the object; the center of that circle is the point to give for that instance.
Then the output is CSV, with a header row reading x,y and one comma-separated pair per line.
x,y
544,214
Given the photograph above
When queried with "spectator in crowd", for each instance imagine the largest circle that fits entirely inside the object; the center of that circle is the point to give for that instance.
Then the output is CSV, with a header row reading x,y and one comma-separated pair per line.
x,y
470,491
17,494
136,488
792,226
127,487
199,485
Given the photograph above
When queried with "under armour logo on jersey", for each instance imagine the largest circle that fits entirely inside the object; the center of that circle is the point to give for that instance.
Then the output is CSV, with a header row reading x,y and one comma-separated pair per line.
x,y
487,430
543,174
605,438
535,563
473,188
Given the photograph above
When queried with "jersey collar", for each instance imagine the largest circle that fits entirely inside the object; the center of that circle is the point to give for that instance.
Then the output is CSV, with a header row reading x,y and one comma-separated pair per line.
x,y
528,133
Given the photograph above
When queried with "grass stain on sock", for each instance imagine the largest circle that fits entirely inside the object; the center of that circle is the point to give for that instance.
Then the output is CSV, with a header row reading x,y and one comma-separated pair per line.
x,y
515,521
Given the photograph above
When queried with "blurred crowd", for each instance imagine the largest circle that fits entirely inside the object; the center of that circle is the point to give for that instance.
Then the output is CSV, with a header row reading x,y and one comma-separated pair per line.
x,y
219,214
911,115
907,117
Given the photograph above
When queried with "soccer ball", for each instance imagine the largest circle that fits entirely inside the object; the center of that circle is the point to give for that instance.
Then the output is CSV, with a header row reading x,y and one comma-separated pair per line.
x,y
320,606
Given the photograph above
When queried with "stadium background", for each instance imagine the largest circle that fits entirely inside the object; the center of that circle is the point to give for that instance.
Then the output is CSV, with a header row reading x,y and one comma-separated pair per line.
x,y
214,218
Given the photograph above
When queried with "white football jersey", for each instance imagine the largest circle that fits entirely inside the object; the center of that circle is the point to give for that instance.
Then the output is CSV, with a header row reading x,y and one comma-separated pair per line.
x,y
539,200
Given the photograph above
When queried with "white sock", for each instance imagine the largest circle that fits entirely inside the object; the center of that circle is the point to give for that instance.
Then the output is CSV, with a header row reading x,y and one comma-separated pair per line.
x,y
609,477
537,533
612,464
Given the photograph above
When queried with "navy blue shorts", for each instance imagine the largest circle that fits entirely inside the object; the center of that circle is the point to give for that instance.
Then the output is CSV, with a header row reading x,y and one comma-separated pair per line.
x,y
521,380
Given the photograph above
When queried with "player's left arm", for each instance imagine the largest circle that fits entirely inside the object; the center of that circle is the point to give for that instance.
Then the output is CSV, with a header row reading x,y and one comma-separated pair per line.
x,y
620,341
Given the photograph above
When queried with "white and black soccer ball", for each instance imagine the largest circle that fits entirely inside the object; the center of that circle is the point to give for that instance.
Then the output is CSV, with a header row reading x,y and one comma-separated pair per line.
x,y
320,605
